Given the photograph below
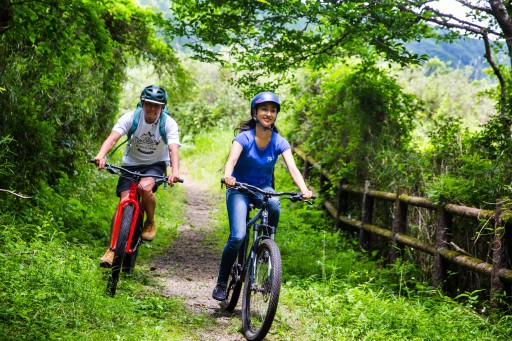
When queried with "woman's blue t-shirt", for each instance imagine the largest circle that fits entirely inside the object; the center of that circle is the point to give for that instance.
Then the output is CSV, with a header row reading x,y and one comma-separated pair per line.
x,y
255,165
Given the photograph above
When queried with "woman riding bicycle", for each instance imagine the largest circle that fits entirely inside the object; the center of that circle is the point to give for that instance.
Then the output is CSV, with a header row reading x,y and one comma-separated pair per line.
x,y
146,152
252,159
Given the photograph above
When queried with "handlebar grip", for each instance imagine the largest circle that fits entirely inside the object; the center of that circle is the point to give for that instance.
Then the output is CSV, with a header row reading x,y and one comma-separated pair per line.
x,y
165,179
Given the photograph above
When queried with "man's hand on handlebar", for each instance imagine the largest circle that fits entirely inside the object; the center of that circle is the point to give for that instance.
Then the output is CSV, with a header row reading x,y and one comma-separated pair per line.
x,y
100,161
173,178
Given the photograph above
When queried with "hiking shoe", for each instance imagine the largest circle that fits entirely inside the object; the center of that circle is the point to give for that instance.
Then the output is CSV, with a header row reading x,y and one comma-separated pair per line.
x,y
220,292
149,231
107,259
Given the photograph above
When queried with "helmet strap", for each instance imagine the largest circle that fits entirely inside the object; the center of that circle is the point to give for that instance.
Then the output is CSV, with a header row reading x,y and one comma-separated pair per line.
x,y
253,114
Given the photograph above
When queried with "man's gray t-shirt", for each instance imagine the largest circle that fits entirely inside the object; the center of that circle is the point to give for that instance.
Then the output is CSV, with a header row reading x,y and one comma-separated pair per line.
x,y
146,145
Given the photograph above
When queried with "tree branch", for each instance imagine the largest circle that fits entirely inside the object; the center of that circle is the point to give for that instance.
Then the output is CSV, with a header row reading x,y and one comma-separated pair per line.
x,y
14,193
460,23
475,7
497,72
475,30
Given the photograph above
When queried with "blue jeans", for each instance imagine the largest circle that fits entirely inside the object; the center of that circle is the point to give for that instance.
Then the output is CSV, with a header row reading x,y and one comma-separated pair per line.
x,y
237,204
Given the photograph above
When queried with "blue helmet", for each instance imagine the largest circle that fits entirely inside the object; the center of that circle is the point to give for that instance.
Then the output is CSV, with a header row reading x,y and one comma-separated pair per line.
x,y
154,94
263,97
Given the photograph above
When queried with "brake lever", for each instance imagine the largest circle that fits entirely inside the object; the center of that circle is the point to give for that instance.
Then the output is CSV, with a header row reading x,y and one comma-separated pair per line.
x,y
110,169
310,200
243,189
298,197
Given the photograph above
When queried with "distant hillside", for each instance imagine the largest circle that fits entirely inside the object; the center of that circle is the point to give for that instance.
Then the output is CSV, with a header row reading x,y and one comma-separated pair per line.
x,y
465,52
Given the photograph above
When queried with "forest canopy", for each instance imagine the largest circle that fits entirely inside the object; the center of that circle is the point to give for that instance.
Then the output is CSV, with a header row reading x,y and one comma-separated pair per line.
x,y
62,70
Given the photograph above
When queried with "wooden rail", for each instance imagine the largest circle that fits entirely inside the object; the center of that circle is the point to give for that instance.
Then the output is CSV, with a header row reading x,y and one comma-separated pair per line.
x,y
500,275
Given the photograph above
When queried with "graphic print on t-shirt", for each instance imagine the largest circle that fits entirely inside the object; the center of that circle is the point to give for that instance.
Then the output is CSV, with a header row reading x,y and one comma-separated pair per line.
x,y
146,143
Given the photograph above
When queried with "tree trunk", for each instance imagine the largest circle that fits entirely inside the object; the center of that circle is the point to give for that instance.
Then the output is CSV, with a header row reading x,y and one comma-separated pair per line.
x,y
5,15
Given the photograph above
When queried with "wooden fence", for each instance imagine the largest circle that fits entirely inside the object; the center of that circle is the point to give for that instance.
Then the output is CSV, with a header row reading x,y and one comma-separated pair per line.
x,y
444,251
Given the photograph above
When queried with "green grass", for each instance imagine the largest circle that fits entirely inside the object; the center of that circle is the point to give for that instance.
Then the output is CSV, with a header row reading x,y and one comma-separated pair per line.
x,y
52,288
55,290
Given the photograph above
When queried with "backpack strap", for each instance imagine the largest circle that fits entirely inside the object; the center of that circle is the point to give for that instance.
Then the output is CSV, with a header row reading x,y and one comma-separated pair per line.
x,y
163,118
135,122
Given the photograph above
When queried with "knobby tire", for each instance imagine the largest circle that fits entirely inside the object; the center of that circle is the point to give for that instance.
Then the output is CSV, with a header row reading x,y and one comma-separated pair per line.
x,y
129,259
119,252
235,281
261,292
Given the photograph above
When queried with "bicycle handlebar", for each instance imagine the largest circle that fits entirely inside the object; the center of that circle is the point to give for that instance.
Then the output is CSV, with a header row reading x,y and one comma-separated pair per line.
x,y
113,169
294,196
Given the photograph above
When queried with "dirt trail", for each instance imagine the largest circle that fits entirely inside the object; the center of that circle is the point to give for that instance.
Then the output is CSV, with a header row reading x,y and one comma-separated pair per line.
x,y
188,269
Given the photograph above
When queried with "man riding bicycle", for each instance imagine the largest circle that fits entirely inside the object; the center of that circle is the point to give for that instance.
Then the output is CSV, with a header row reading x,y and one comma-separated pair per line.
x,y
147,152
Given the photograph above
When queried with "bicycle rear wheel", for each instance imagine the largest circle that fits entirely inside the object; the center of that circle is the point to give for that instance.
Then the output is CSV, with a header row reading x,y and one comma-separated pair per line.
x,y
261,291
119,252
236,279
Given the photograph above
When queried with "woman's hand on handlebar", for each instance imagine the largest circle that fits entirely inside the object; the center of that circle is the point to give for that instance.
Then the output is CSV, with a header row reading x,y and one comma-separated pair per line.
x,y
307,194
229,181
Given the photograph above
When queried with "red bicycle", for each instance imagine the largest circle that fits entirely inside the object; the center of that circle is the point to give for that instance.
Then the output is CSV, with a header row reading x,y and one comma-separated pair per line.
x,y
127,224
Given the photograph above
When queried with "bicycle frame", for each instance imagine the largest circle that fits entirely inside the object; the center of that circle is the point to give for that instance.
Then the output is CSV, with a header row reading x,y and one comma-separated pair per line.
x,y
125,229
133,199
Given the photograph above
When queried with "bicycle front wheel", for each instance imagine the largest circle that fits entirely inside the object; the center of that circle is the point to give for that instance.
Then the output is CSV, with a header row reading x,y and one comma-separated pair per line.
x,y
119,252
129,259
261,291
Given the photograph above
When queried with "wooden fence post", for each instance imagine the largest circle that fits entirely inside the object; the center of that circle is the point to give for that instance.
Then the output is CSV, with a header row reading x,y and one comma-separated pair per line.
x,y
444,225
499,256
341,204
366,218
399,226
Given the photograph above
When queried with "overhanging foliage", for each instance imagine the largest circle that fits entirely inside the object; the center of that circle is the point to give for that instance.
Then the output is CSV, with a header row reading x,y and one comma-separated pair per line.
x,y
62,64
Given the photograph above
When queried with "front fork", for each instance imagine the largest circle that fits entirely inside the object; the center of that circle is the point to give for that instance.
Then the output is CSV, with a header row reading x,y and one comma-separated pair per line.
x,y
132,199
270,234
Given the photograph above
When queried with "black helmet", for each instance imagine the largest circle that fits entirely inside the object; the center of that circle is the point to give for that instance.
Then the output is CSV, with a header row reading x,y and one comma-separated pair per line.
x,y
154,94
265,97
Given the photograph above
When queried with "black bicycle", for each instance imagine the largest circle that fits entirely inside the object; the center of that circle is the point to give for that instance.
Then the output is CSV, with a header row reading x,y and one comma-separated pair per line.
x,y
126,226
258,266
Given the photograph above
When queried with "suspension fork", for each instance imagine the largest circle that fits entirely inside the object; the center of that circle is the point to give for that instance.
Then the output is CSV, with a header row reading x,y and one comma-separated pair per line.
x,y
257,237
133,200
